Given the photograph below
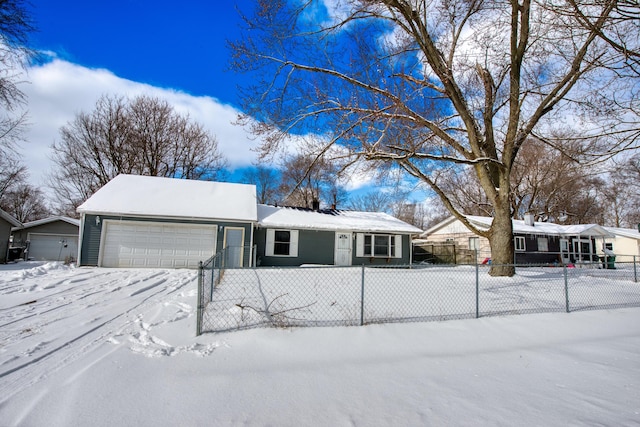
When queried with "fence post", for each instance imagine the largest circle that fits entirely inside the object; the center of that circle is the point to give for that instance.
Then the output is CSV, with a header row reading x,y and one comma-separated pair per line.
x,y
213,276
566,287
477,287
635,270
200,290
362,298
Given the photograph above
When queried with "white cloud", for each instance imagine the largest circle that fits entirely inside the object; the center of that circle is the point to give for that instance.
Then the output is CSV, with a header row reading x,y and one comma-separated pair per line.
x,y
58,90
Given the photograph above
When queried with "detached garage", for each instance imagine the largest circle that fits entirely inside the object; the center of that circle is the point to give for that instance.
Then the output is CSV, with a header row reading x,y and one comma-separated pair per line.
x,y
141,221
49,239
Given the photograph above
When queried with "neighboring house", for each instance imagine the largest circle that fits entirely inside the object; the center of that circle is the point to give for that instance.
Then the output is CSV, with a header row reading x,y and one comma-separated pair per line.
x,y
142,221
295,236
49,239
6,223
535,242
625,243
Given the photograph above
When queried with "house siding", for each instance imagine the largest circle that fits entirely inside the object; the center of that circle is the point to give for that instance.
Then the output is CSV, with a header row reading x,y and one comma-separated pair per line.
x,y
404,260
318,247
533,254
92,233
20,237
314,247
625,248
5,234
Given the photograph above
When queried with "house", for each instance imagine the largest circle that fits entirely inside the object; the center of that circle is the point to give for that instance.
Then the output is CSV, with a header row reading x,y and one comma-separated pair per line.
x,y
143,221
287,236
6,223
535,242
48,239
625,243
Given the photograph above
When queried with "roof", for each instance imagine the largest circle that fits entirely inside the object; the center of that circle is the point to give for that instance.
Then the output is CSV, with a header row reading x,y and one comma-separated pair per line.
x,y
539,228
152,196
11,220
38,222
331,219
631,233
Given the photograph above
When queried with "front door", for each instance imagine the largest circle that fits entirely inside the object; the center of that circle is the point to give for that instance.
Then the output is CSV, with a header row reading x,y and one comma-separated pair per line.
x,y
564,251
233,246
343,248
582,249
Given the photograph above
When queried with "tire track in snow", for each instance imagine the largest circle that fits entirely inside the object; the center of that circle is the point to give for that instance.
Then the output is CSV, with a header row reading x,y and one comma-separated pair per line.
x,y
18,378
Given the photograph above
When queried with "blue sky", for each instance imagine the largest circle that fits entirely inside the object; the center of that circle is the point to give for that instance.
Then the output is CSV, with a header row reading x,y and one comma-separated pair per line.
x,y
129,48
146,41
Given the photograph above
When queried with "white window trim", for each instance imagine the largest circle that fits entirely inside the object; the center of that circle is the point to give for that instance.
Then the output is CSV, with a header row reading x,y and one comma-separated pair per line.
x,y
476,243
522,247
544,247
293,243
360,245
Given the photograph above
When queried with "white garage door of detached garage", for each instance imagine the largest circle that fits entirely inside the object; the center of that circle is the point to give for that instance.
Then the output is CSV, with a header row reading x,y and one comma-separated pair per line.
x,y
52,247
145,244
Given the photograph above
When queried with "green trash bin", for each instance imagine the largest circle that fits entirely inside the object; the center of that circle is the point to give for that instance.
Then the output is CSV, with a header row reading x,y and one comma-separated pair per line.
x,y
611,262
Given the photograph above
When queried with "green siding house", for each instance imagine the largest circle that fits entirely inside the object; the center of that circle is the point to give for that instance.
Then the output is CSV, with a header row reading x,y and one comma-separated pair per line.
x,y
288,236
143,221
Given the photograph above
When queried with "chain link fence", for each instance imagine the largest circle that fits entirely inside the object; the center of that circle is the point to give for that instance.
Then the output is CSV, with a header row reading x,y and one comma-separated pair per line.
x,y
241,298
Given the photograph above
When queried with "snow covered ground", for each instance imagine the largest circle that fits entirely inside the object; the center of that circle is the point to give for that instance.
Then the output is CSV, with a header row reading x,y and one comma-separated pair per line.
x,y
91,346
331,296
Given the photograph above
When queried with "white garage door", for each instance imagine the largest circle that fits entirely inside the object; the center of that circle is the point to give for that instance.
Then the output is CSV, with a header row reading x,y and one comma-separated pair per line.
x,y
51,247
143,244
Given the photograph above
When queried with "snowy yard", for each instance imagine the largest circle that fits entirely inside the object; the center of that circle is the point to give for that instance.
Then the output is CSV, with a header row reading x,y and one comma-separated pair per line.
x,y
104,347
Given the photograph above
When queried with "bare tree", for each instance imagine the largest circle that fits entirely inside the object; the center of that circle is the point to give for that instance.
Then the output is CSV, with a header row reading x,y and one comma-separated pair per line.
x,y
426,85
375,201
621,194
143,136
305,180
15,27
25,203
266,181
12,172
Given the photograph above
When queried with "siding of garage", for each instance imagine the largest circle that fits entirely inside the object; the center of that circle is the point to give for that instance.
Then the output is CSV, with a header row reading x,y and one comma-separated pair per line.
x,y
21,236
91,234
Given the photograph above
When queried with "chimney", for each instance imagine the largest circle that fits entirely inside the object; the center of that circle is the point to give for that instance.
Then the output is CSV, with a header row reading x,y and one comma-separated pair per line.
x,y
529,219
315,204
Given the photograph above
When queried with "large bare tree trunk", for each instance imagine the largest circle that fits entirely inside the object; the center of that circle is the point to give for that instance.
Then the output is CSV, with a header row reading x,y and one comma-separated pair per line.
x,y
501,242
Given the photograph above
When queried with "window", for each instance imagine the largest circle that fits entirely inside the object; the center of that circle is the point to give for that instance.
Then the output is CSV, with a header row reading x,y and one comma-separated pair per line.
x,y
519,242
474,243
282,243
543,244
378,245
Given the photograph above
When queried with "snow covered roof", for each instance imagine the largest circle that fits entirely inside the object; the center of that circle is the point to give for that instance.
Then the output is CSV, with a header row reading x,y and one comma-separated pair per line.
x,y
66,219
539,228
624,232
11,220
331,219
173,198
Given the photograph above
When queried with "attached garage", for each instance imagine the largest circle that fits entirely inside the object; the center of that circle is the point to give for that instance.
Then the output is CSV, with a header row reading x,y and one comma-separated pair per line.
x,y
141,244
153,222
